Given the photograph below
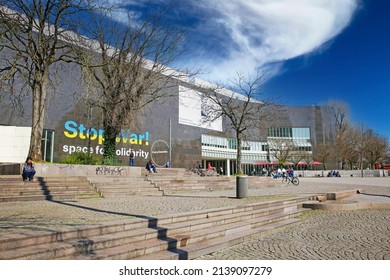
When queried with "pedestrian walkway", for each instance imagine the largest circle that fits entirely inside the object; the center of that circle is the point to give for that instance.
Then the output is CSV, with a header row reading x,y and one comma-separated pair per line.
x,y
18,216
321,235
326,235
30,216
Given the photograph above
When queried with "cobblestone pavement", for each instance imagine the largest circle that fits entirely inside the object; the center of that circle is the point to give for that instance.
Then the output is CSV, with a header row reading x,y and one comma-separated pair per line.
x,y
361,234
322,235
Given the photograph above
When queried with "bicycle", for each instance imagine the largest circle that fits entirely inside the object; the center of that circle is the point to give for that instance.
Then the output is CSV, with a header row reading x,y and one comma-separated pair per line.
x,y
205,172
210,172
293,179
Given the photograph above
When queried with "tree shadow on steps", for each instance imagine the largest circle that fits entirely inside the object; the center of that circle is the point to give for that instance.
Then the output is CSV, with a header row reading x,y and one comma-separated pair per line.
x,y
172,243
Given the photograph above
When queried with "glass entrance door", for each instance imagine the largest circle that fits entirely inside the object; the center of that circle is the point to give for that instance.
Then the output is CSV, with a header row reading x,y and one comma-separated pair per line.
x,y
47,145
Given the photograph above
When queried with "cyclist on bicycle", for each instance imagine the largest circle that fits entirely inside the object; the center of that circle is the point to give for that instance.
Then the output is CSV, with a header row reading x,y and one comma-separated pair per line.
x,y
290,172
290,177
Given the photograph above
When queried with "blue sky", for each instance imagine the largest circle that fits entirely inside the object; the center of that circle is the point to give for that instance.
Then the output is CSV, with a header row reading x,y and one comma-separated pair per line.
x,y
355,67
311,50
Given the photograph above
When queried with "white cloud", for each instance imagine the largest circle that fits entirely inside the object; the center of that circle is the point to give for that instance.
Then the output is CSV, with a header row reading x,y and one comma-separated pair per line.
x,y
273,31
120,12
261,33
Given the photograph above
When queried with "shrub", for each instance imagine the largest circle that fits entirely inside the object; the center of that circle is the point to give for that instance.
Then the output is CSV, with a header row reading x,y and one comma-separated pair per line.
x,y
80,158
111,162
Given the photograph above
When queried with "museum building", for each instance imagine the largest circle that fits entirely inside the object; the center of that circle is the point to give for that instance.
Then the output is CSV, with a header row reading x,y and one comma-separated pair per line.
x,y
169,130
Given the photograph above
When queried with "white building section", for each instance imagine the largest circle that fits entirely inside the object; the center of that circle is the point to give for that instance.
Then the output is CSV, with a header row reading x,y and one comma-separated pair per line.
x,y
15,142
190,110
215,147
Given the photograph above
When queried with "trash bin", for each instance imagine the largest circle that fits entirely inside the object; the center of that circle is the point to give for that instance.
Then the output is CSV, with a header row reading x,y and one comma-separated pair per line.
x,y
241,186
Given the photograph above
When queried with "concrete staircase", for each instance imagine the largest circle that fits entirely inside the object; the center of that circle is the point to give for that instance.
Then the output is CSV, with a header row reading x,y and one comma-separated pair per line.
x,y
12,188
176,184
170,172
115,186
173,236
168,181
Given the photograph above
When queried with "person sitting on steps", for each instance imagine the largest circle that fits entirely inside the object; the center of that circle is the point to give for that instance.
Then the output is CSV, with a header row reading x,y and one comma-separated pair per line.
x,y
28,170
150,166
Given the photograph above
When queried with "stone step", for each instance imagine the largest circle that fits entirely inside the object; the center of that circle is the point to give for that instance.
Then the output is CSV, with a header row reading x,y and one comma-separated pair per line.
x,y
51,192
86,231
119,189
174,185
192,186
52,184
198,225
40,180
116,188
20,240
209,246
112,180
179,240
132,182
190,179
148,249
190,183
126,194
168,171
50,188
119,192
48,197
33,187
124,187
20,192
23,198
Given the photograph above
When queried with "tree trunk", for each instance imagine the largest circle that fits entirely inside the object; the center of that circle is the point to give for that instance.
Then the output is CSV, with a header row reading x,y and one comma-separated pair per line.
x,y
109,155
38,117
239,155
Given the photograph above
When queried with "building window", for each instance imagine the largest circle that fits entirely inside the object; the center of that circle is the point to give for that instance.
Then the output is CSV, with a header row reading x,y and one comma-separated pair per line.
x,y
289,132
47,145
232,144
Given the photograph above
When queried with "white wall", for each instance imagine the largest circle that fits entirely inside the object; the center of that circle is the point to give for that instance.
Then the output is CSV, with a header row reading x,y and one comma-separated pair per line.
x,y
14,143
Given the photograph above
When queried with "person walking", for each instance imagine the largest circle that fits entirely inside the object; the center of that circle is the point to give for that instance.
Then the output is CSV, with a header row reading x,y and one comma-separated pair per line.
x,y
131,159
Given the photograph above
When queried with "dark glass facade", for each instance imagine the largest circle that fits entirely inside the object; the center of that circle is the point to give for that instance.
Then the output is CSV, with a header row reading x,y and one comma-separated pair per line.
x,y
72,126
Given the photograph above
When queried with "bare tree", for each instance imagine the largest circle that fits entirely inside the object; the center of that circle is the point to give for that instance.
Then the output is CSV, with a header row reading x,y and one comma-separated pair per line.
x,y
356,146
340,111
286,151
376,147
347,148
127,69
299,155
281,149
238,103
323,152
33,40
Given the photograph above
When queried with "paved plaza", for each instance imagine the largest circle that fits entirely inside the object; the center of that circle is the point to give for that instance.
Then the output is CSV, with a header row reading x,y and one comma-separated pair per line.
x,y
322,235
353,234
